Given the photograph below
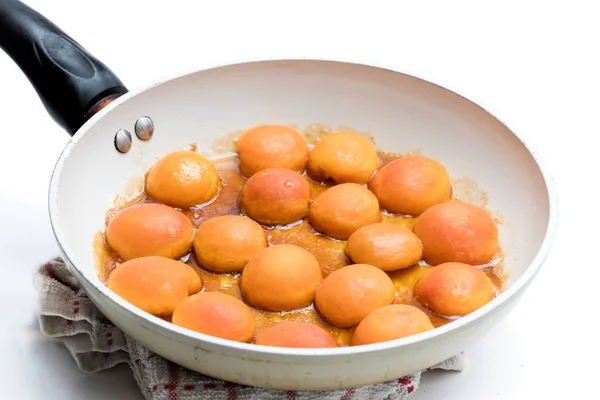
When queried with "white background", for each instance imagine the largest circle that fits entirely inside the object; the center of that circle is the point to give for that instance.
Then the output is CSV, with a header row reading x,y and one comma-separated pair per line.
x,y
534,65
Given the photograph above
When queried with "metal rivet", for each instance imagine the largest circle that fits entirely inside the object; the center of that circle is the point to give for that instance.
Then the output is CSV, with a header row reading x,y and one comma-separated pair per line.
x,y
144,128
123,141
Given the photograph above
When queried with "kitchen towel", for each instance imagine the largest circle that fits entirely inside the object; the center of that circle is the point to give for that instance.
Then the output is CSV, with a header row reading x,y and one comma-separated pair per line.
x,y
96,344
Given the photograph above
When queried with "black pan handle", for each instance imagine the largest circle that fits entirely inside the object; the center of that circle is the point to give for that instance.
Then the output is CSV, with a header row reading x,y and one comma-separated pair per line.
x,y
72,84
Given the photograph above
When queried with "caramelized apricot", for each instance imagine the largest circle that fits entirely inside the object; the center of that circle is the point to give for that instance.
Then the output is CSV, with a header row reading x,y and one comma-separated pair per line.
x,y
390,323
216,314
348,295
183,179
149,229
387,246
457,231
296,334
154,284
225,244
344,157
275,196
271,146
410,185
283,277
454,289
342,209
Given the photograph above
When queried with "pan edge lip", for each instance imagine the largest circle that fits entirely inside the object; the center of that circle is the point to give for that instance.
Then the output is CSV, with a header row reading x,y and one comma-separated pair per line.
x,y
185,336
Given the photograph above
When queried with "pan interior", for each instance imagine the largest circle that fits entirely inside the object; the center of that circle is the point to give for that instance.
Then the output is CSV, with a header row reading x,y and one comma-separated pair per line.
x,y
402,114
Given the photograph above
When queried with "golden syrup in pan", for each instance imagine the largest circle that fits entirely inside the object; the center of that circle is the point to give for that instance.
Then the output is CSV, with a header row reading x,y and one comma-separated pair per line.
x,y
329,252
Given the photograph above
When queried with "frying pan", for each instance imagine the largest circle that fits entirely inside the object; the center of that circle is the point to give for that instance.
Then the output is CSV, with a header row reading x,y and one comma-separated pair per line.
x,y
117,135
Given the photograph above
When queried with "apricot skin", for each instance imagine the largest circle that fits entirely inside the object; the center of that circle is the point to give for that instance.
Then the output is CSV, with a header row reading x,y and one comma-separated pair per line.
x,y
225,244
390,323
385,245
344,157
149,230
342,209
349,294
410,185
195,280
216,314
154,284
183,179
454,289
283,277
457,232
296,334
276,196
271,146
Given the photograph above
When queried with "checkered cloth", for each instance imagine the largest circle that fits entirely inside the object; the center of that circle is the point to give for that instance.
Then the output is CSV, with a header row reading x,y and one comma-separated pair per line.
x,y
96,344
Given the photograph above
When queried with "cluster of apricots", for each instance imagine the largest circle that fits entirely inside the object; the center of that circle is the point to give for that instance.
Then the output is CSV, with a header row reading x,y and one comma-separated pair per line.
x,y
452,236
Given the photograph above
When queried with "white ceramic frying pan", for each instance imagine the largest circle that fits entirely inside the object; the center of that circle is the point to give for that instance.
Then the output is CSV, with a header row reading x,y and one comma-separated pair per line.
x,y
403,114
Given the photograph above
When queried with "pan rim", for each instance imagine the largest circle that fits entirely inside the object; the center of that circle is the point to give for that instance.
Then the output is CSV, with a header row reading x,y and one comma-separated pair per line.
x,y
124,307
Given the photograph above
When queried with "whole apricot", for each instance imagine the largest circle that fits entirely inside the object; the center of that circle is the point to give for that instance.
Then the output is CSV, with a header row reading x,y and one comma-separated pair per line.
x,y
410,185
454,289
390,323
183,179
226,243
296,334
342,209
271,146
154,284
216,314
283,277
344,157
457,231
275,196
349,294
149,229
387,246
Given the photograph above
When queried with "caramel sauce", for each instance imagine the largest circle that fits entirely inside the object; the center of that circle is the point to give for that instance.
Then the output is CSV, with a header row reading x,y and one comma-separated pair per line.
x,y
329,252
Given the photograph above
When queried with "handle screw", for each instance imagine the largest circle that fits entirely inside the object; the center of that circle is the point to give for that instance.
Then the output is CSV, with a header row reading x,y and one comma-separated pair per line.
x,y
123,141
144,128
